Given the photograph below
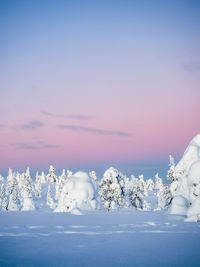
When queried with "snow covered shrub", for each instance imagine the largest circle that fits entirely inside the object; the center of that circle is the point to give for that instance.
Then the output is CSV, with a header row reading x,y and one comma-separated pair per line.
x,y
164,197
135,194
112,189
78,194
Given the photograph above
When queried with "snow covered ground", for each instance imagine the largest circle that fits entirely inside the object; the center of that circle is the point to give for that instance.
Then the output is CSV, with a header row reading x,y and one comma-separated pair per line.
x,y
117,238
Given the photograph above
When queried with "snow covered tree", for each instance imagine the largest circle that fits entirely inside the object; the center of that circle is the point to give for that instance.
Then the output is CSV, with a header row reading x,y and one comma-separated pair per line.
x,y
13,197
1,178
164,197
150,184
4,203
171,175
135,194
38,186
158,181
69,173
49,200
43,178
26,192
51,177
112,189
93,175
62,178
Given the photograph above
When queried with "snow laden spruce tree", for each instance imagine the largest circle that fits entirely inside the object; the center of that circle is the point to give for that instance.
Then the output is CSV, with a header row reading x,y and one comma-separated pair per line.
x,y
49,200
4,202
27,191
112,189
51,176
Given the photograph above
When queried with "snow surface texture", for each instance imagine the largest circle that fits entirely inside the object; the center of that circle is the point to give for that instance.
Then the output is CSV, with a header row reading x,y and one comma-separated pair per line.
x,y
123,238
187,198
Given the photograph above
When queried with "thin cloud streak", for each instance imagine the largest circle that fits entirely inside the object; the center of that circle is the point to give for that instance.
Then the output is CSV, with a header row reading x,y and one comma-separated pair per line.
x,y
32,125
33,146
79,128
192,67
69,116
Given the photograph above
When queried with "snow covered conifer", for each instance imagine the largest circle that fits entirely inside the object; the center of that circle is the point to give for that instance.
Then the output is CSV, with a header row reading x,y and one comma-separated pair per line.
x,y
164,197
13,198
4,203
69,173
51,177
135,193
171,175
38,186
43,178
150,184
49,200
62,178
112,189
1,178
93,175
158,181
26,193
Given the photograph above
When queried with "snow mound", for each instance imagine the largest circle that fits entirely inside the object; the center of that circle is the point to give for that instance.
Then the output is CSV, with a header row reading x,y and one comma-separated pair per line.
x,y
191,154
78,194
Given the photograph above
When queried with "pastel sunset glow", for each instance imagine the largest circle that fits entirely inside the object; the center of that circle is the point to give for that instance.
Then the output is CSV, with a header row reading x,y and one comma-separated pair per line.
x,y
89,84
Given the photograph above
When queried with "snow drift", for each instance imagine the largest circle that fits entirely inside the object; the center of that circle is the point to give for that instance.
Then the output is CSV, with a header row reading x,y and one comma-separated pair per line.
x,y
187,198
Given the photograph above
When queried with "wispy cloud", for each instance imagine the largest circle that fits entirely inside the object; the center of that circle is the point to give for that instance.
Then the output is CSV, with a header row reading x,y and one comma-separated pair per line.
x,y
69,116
192,67
2,126
79,128
38,145
32,125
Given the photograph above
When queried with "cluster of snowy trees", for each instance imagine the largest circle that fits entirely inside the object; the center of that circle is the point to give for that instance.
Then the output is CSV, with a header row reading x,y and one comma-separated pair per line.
x,y
77,192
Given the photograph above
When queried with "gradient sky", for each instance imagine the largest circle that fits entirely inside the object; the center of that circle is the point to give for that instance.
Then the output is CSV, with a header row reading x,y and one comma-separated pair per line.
x,y
89,84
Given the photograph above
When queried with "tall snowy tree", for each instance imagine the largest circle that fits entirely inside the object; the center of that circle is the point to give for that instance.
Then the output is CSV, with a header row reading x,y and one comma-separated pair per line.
x,y
26,193
38,186
158,182
62,178
51,177
13,197
4,203
171,174
49,200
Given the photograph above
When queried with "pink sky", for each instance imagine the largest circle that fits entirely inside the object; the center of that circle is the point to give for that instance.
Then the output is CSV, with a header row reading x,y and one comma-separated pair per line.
x,y
78,89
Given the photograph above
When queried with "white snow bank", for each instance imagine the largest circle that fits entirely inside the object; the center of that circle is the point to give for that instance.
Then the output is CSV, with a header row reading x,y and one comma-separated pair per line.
x,y
78,194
